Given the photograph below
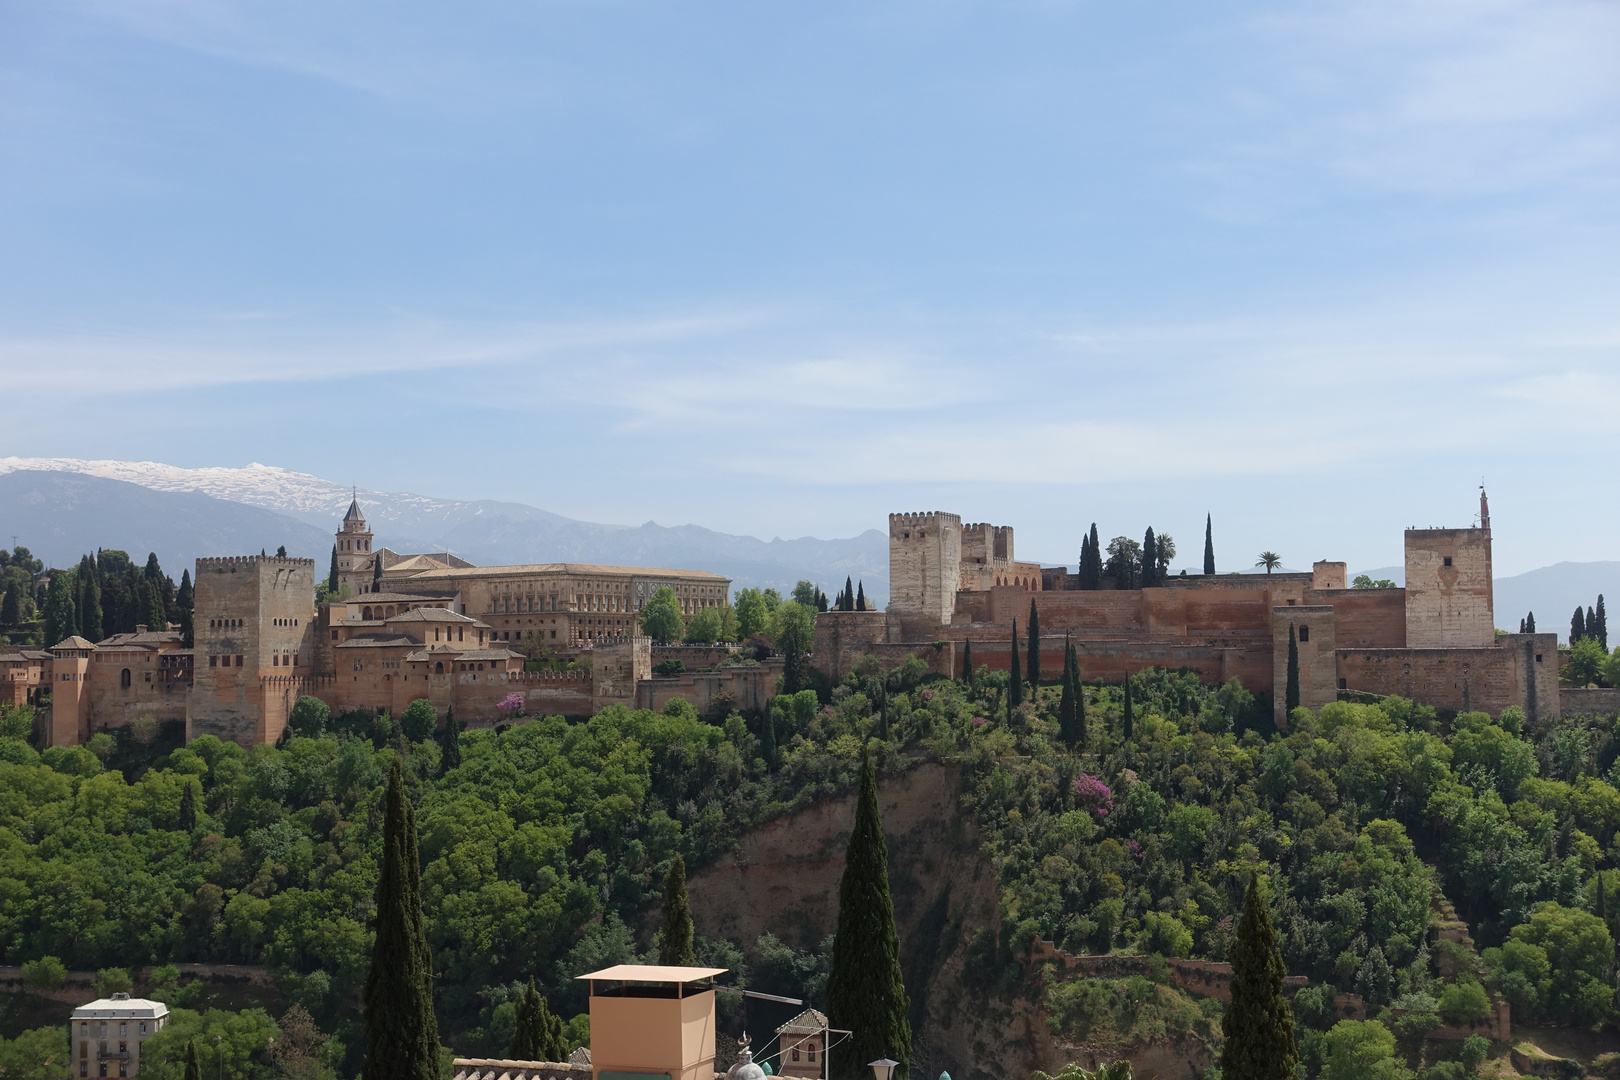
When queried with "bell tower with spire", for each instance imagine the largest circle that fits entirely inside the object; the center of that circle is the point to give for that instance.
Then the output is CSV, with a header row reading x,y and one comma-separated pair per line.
x,y
354,553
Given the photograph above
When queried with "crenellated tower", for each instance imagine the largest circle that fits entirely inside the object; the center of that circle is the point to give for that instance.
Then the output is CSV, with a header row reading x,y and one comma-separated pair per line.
x,y
925,563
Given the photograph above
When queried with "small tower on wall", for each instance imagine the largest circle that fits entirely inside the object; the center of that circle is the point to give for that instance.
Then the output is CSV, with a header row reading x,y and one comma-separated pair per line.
x,y
354,553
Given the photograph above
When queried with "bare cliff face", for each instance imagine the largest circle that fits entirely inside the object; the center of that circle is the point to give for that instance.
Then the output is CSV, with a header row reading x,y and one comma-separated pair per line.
x,y
784,879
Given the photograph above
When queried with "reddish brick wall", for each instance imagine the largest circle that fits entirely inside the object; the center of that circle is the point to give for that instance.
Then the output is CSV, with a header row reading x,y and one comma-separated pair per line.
x,y
1486,679
1366,618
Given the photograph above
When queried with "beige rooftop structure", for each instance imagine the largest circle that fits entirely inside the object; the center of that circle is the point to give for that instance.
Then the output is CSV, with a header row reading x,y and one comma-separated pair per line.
x,y
105,1036
650,1021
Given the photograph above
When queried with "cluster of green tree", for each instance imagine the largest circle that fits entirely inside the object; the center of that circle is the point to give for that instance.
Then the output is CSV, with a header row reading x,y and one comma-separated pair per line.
x,y
1366,581
852,598
20,594
538,849
1591,624
108,594
1131,565
1590,664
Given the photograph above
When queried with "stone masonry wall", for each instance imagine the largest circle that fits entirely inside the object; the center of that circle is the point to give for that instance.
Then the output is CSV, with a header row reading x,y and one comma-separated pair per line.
x,y
1488,679
1449,606
1318,670
925,558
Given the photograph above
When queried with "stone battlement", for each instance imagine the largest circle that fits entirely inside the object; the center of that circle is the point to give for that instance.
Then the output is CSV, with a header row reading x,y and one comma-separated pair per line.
x,y
248,560
549,676
922,520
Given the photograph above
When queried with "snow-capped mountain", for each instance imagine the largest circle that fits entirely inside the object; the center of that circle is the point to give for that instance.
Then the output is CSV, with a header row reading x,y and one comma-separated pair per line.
x,y
485,532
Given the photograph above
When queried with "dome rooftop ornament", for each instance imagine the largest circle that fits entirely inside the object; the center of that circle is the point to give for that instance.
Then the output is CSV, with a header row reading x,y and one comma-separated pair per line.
x,y
745,1069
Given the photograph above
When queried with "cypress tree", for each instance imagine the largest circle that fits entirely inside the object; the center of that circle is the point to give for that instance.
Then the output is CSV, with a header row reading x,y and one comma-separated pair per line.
x,y
538,1033
281,552
849,595
376,573
767,739
1577,625
11,608
1601,628
1258,1025
186,601
152,572
132,608
332,573
1150,559
967,662
1079,701
1129,726
193,1066
1034,650
449,743
402,1034
860,596
156,613
1530,623
1085,560
1096,558
1015,684
675,946
1591,623
89,600
61,621
1521,626
1209,544
865,989
1066,701
1291,692
188,808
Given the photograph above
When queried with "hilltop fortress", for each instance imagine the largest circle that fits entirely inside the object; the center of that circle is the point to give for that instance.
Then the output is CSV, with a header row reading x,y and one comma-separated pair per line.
x,y
1434,641
437,627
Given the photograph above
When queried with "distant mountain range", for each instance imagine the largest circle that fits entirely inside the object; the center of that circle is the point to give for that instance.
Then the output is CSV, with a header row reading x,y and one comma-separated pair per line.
x,y
63,507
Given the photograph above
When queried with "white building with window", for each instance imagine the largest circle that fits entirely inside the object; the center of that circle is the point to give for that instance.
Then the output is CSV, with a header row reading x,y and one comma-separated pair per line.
x,y
106,1035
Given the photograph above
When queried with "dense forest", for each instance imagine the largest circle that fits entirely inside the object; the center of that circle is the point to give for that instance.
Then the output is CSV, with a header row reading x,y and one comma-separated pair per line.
x,y
1114,827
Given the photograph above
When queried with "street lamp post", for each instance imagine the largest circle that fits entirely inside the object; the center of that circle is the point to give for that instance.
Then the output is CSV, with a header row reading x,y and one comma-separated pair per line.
x,y
883,1068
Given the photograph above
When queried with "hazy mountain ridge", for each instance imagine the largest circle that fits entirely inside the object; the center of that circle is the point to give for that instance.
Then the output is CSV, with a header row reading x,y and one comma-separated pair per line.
x,y
486,532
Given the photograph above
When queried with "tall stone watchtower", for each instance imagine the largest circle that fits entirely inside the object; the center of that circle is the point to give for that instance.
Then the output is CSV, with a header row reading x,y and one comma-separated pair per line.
x,y
1450,597
253,616
354,554
925,565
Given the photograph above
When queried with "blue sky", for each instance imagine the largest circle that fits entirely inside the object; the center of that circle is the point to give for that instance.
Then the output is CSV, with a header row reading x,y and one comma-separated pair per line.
x,y
1315,268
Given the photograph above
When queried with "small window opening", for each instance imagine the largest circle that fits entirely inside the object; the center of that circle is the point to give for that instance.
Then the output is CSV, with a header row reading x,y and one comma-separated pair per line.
x,y
1304,633
1448,560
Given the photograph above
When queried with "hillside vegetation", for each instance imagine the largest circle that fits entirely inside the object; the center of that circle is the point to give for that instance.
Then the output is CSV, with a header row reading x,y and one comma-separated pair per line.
x,y
543,847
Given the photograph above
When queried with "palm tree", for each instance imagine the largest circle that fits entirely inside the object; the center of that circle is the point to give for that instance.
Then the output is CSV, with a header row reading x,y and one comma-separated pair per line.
x,y
1270,560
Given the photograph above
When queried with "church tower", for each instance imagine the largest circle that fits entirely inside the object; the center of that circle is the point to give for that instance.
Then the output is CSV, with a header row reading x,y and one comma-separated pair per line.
x,y
354,554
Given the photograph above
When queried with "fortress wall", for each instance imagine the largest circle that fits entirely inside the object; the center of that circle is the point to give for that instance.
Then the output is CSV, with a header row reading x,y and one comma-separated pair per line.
x,y
1449,605
1486,679
1118,612
1367,618
1313,626
742,688
1227,611
1111,660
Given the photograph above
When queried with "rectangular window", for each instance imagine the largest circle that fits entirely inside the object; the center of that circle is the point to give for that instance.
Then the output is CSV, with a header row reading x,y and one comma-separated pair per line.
x,y
1304,633
1448,560
238,661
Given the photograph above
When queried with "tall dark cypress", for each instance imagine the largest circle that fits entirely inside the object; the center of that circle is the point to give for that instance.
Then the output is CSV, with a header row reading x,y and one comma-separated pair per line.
x,y
1530,623
860,596
767,740
1291,692
849,595
865,989
1521,626
1079,701
1129,725
11,607
1600,629
188,807
61,619
89,599
193,1066
1085,560
185,601
1577,625
1209,544
1015,684
1258,1025
1034,650
675,944
1096,559
1591,623
449,743
332,573
1150,559
538,1033
402,1033
376,573
1066,701
967,663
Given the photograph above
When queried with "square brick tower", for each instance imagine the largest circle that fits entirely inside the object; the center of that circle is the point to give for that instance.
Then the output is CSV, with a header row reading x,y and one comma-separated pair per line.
x,y
1450,599
254,616
925,564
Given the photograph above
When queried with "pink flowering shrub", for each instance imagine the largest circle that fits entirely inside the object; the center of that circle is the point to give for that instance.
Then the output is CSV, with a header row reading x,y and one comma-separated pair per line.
x,y
1134,849
1092,794
511,704
928,695
979,721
